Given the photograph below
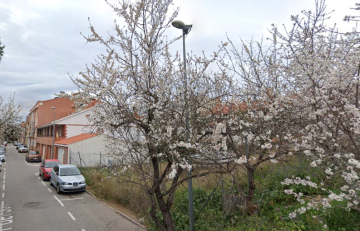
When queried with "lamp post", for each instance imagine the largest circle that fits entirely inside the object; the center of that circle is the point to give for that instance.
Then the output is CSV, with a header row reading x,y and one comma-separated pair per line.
x,y
186,29
52,149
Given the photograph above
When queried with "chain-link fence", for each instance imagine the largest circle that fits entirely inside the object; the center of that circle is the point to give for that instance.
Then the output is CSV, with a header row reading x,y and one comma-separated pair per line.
x,y
82,159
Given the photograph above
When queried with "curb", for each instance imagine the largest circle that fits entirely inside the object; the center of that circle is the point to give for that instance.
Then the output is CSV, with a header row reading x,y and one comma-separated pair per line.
x,y
118,212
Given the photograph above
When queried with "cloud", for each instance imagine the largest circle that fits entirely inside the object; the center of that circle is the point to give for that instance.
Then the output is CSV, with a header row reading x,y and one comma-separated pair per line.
x,y
44,44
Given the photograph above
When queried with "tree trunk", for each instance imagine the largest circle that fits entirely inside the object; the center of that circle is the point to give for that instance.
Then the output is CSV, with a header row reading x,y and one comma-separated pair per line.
x,y
250,206
168,223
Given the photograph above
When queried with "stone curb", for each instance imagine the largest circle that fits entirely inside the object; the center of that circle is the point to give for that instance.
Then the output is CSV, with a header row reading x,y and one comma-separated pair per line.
x,y
118,212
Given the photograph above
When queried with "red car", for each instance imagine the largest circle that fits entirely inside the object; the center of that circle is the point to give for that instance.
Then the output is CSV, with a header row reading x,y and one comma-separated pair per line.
x,y
46,166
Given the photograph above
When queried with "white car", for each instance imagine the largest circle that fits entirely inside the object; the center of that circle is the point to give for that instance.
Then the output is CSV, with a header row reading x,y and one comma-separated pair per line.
x,y
2,156
67,178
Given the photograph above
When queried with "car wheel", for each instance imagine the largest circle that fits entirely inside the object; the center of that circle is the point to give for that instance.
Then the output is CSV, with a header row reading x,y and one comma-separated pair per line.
x,y
58,189
43,177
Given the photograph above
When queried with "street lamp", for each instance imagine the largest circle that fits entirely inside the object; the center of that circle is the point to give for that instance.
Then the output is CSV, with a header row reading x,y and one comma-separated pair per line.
x,y
186,29
52,150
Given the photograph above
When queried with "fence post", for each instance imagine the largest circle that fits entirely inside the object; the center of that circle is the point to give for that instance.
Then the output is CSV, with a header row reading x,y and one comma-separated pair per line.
x,y
109,165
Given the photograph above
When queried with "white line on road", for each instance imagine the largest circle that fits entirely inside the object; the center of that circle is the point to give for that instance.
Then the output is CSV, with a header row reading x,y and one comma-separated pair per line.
x,y
72,217
43,183
49,189
2,213
3,195
3,187
83,230
59,201
4,177
6,229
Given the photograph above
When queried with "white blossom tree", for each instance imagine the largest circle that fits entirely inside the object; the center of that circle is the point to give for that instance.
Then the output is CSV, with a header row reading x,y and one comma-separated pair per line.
x,y
306,91
142,109
9,113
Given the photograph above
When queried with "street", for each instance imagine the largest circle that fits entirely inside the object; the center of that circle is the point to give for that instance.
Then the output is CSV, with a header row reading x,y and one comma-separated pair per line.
x,y
28,203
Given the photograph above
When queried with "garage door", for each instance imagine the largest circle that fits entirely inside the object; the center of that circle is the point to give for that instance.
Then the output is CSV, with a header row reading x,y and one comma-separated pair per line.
x,y
61,154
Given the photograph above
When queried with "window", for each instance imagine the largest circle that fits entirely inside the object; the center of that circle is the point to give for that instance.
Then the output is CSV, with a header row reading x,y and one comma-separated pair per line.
x,y
69,172
51,164
56,169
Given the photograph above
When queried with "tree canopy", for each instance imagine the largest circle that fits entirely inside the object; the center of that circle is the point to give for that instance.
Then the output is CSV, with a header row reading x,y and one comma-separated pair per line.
x,y
1,50
298,95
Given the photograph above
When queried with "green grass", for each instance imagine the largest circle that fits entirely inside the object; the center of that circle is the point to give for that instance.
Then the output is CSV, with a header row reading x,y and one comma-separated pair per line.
x,y
273,204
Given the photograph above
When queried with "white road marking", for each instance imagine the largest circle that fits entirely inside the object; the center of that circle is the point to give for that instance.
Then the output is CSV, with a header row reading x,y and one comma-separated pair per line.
x,y
3,187
3,195
4,177
6,229
59,201
36,174
72,217
1,213
4,182
43,183
49,189
83,230
5,217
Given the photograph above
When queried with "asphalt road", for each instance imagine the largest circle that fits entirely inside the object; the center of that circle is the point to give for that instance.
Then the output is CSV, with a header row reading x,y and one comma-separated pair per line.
x,y
28,203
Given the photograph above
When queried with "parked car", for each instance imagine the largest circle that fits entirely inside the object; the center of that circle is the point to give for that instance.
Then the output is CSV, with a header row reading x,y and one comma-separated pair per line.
x,y
67,178
2,156
15,143
23,149
5,143
33,156
46,166
18,145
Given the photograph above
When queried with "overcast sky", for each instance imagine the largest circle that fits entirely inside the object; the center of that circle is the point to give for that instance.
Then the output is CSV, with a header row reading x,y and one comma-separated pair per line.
x,y
44,44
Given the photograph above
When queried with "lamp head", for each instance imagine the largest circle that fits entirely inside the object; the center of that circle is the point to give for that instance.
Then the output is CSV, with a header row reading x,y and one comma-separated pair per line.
x,y
180,25
53,107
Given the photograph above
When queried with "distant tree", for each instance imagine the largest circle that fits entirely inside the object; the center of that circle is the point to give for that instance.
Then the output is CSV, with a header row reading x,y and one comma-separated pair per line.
x,y
1,50
9,113
12,131
349,18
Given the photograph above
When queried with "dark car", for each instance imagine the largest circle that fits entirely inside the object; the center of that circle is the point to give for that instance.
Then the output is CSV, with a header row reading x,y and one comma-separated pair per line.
x,y
46,166
33,156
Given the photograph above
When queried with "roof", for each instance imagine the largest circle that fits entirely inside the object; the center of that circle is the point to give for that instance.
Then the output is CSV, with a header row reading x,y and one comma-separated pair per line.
x,y
75,139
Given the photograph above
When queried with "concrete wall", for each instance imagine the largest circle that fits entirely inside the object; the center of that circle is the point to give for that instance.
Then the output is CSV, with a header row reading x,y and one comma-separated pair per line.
x,y
74,130
76,124
89,150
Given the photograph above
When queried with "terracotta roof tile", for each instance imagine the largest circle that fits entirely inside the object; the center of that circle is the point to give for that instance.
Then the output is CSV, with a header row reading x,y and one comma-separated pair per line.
x,y
75,139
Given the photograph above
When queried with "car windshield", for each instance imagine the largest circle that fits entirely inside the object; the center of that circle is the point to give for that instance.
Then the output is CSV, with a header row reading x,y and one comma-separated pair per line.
x,y
33,153
51,164
72,171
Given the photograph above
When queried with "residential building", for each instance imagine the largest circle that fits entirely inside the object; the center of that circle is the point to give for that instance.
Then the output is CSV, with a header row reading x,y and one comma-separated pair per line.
x,y
65,128
42,113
